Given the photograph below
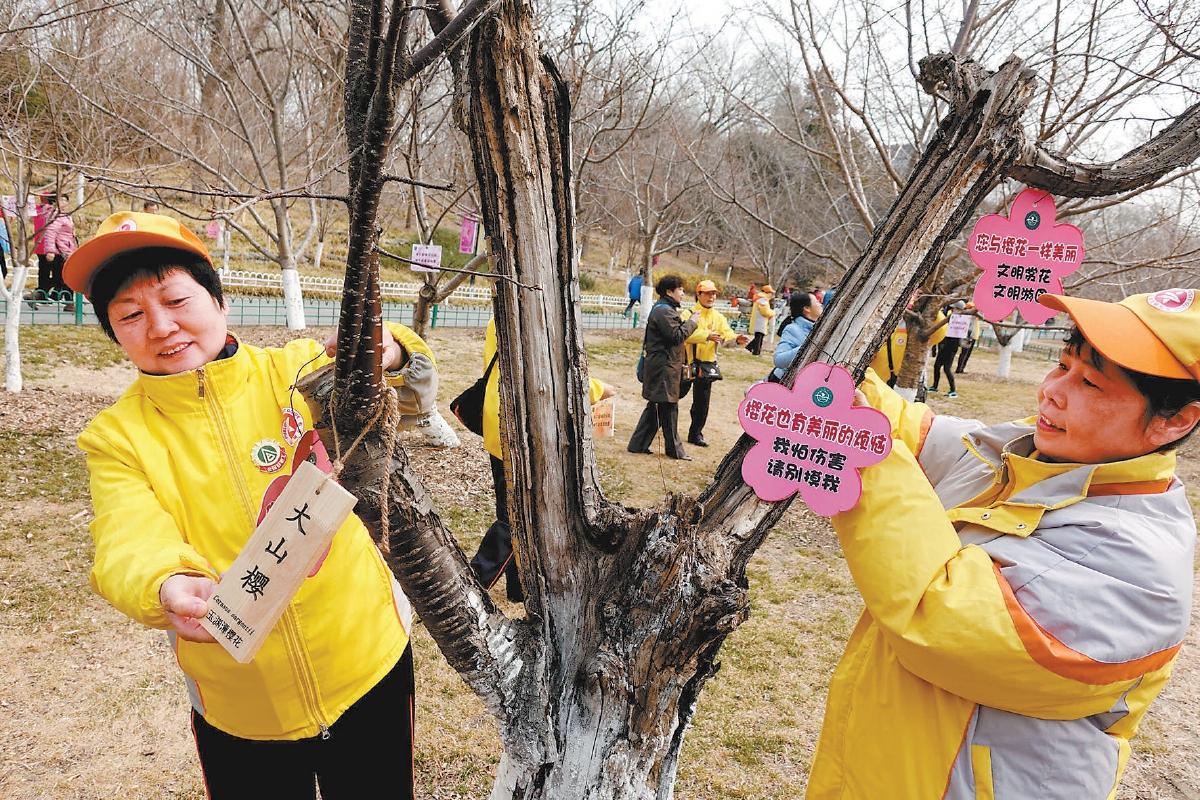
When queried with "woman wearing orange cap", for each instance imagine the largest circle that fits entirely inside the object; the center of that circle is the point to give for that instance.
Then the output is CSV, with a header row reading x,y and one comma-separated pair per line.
x,y
182,466
760,318
1027,585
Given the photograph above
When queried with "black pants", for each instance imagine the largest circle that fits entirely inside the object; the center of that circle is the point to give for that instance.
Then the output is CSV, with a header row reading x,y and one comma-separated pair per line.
x,y
632,303
944,361
701,397
755,345
656,415
495,554
50,282
368,753
3,263
963,355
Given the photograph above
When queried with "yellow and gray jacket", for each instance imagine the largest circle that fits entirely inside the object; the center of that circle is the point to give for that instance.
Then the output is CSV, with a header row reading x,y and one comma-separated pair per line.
x,y
697,346
1020,616
179,468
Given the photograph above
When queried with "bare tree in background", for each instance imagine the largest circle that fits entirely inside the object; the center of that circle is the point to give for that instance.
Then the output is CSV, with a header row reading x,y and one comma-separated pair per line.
x,y
1108,75
242,94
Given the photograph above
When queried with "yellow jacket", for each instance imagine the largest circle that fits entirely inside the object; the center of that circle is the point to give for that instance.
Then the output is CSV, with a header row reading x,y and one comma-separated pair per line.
x,y
175,491
1020,616
711,321
897,341
491,398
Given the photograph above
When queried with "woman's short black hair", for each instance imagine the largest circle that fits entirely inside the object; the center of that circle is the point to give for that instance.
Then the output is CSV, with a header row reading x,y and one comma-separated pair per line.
x,y
668,283
1165,397
798,302
125,268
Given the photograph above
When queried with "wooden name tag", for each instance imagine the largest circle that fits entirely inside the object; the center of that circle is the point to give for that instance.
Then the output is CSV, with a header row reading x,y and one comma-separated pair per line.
x,y
266,575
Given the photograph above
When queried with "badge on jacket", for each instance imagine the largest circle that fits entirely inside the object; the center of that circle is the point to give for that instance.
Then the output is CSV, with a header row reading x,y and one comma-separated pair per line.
x,y
268,455
293,426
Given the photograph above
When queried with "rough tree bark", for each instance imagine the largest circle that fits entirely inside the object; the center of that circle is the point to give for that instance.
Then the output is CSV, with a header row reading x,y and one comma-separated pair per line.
x,y
626,609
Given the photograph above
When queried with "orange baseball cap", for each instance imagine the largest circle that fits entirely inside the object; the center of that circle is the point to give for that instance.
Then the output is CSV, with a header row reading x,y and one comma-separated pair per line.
x,y
1156,333
126,230
767,288
705,286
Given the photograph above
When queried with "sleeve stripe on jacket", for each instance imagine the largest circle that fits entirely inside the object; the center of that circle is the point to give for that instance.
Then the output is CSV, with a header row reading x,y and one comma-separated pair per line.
x,y
1060,659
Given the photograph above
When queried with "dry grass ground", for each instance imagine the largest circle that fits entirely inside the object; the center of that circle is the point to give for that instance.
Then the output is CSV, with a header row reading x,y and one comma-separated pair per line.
x,y
92,705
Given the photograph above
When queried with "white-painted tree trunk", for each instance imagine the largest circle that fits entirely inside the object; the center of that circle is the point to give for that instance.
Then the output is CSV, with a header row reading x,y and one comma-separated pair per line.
x,y
1018,342
1005,363
319,253
293,299
908,393
647,304
12,327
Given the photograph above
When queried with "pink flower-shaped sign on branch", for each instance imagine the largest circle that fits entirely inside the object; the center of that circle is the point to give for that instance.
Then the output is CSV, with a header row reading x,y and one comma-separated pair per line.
x,y
1023,256
812,439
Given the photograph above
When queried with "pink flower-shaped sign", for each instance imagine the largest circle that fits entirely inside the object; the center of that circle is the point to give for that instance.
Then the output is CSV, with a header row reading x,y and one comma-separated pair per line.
x,y
812,439
1023,256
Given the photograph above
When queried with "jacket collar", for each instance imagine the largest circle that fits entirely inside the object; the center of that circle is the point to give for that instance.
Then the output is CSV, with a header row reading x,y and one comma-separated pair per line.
x,y
1030,487
186,392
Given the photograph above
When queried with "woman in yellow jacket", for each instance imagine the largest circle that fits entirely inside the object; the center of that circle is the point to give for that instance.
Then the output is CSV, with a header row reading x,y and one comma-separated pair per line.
x,y
1027,585
701,345
495,556
181,468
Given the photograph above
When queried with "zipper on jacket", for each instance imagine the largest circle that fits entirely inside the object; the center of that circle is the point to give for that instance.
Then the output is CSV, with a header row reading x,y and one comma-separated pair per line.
x,y
310,695
200,378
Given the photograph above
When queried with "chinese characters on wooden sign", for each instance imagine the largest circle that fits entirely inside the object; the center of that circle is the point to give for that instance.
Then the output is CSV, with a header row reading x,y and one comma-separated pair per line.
x,y
1023,256
281,552
812,439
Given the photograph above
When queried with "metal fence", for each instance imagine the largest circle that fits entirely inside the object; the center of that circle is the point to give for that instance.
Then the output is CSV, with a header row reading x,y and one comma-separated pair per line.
x,y
248,310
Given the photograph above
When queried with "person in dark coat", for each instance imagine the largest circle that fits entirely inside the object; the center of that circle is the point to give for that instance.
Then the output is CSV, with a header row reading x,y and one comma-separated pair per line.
x,y
662,370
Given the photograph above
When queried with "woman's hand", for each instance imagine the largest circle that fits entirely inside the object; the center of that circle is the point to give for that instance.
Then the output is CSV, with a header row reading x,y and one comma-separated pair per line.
x,y
392,351
184,598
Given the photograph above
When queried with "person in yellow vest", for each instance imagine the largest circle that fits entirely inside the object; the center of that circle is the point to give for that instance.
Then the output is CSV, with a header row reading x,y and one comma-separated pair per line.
x,y
182,466
496,556
1028,585
889,358
701,348
761,313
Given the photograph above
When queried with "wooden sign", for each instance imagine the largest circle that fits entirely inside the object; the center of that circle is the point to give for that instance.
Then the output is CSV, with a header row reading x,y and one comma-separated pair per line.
x,y
603,414
812,439
282,551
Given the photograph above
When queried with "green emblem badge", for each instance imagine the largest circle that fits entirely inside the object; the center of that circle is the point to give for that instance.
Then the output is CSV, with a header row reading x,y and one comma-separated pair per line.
x,y
1032,220
823,396
268,455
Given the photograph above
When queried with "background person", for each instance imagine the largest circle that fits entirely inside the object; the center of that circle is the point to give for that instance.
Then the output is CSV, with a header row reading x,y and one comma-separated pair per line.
x,y
946,350
712,329
964,353
57,243
176,486
634,289
1027,585
804,309
496,556
761,314
663,370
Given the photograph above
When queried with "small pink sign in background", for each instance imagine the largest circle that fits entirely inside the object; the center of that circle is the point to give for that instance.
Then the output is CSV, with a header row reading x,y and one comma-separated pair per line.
x,y
812,439
470,233
1023,256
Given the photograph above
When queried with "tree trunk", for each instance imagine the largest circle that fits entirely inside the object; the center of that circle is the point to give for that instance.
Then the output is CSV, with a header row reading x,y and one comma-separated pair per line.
x,y
12,325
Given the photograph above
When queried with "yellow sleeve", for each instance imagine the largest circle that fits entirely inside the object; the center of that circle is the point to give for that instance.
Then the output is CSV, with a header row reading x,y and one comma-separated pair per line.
x,y
595,389
723,328
940,333
910,421
138,544
491,397
942,607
